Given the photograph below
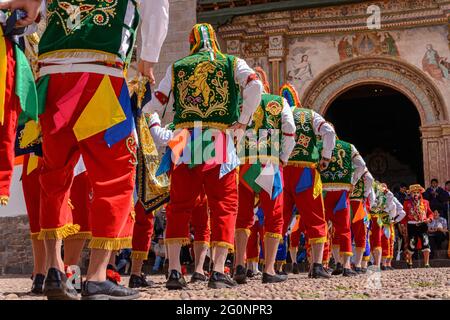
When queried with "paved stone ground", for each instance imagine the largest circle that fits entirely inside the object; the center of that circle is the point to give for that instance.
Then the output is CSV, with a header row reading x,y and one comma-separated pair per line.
x,y
399,284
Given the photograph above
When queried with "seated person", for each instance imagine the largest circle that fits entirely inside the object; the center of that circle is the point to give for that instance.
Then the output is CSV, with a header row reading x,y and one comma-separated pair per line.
x,y
437,231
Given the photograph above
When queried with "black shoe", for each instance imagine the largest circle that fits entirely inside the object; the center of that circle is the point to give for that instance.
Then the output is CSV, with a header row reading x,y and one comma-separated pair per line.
x,y
267,278
282,273
250,273
359,270
175,281
198,277
349,273
364,270
107,290
240,275
339,270
295,268
38,284
219,280
318,271
410,265
56,286
140,282
383,268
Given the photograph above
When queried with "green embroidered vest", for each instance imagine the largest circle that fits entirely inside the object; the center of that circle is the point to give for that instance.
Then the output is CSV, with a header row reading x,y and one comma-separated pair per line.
x,y
358,190
339,172
305,152
205,91
99,29
267,117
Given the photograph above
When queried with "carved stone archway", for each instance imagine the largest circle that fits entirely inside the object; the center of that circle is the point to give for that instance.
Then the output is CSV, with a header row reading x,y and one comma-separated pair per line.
x,y
408,80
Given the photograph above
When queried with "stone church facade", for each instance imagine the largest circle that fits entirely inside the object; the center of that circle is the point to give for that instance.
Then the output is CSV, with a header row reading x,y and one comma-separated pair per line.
x,y
325,51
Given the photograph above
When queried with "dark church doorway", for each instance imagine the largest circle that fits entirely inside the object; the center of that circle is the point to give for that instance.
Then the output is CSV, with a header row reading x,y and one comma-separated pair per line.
x,y
383,124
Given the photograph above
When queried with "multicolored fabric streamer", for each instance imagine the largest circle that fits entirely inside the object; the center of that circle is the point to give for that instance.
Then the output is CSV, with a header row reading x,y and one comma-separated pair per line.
x,y
360,213
288,92
305,182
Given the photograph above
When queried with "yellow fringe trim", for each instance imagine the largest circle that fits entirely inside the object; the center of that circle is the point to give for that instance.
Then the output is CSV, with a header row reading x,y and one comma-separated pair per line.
x,y
248,232
4,200
274,235
384,257
111,244
182,241
203,242
34,236
283,262
302,164
348,254
318,240
205,124
222,244
85,235
366,258
253,259
139,255
59,233
97,55
262,261
376,248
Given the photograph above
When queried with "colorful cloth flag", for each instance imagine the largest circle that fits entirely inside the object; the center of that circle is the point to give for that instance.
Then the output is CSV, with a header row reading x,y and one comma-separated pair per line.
x,y
164,165
250,176
32,164
277,184
317,186
305,182
387,232
266,178
342,203
101,113
232,160
360,213
123,129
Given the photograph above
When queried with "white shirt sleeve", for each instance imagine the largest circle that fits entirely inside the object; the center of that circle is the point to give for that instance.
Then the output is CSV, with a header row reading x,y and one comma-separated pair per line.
x,y
161,136
326,132
368,182
372,198
287,131
164,87
390,205
154,27
399,211
251,92
359,166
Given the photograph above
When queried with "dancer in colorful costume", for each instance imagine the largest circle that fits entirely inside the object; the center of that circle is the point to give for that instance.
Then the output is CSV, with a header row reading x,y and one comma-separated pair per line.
x,y
205,86
261,174
302,182
418,215
345,169
359,199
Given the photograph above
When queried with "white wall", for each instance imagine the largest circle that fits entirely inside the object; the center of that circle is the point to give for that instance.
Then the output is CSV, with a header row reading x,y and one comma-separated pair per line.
x,y
16,206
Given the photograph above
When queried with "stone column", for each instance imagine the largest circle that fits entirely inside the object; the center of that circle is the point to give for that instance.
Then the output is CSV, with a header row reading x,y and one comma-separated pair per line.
x,y
436,152
276,56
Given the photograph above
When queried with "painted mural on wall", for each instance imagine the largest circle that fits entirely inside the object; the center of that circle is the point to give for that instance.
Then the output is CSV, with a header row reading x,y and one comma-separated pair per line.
x,y
436,66
370,43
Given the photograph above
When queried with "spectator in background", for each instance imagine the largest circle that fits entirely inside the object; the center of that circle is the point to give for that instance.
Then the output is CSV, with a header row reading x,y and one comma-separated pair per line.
x,y
437,231
437,196
160,253
123,261
402,194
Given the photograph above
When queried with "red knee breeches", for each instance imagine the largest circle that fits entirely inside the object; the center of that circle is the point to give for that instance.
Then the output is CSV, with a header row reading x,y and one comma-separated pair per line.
x,y
272,210
81,196
359,229
32,192
311,209
375,234
111,169
142,232
340,220
200,220
8,128
186,186
387,244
